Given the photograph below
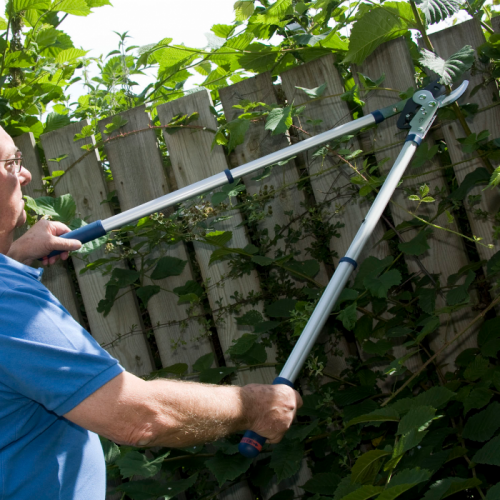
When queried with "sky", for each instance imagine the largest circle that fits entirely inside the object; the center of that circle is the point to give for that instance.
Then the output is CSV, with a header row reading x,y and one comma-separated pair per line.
x,y
147,21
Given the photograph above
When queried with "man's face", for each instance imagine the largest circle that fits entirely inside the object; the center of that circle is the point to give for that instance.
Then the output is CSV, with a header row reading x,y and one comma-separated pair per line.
x,y
12,213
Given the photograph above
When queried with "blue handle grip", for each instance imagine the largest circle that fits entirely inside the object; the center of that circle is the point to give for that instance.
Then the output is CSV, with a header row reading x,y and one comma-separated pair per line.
x,y
84,234
251,443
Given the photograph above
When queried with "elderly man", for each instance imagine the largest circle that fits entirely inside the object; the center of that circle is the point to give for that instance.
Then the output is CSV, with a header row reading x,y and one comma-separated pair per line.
x,y
59,388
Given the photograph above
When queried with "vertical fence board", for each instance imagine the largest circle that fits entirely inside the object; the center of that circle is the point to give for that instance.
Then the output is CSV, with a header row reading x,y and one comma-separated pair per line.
x,y
56,277
447,253
283,179
330,180
194,160
446,43
85,182
139,177
344,204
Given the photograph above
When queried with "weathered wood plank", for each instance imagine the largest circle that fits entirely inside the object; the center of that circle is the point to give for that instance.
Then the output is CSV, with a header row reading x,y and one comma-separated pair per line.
x,y
85,182
447,252
330,178
56,278
137,168
289,204
193,160
446,43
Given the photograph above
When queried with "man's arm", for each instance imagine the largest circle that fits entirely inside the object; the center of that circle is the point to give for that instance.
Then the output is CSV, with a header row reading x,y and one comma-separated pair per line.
x,y
40,240
129,410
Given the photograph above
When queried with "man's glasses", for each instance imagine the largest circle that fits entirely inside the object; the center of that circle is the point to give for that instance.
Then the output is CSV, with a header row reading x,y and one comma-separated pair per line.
x,y
14,165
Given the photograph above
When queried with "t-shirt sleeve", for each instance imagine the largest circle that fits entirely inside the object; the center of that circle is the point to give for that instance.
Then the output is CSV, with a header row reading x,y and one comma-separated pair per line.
x,y
45,355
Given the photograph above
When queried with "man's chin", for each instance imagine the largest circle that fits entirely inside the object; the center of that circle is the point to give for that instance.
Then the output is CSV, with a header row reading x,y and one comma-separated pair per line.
x,y
22,219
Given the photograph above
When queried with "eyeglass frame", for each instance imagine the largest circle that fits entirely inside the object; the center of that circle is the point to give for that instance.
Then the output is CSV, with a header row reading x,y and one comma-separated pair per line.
x,y
19,163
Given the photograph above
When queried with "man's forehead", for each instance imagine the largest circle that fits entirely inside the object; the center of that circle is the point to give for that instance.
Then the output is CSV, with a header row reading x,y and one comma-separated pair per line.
x,y
7,145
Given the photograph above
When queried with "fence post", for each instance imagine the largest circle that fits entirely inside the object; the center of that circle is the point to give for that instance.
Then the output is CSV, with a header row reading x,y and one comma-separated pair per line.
x,y
56,277
86,183
447,253
137,168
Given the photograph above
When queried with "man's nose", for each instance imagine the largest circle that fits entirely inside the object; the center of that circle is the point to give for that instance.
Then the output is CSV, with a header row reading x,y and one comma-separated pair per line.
x,y
24,176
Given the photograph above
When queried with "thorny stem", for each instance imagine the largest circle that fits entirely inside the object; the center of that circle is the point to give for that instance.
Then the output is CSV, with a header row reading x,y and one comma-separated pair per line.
x,y
439,351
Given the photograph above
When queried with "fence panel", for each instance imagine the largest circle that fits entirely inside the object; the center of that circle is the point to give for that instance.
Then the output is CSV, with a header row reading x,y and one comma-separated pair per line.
x,y
447,252
446,43
193,160
86,183
56,277
137,168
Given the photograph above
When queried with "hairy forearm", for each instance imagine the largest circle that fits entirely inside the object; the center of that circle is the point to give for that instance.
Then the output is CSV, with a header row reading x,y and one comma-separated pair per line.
x,y
189,413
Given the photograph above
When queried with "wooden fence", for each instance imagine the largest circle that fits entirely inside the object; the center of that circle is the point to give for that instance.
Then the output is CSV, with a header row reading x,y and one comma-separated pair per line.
x,y
140,174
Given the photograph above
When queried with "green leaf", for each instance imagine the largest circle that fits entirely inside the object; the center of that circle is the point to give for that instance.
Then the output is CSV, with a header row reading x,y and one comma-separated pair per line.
x,y
323,483
437,397
407,442
243,344
437,10
70,55
251,318
116,123
19,5
176,369
237,130
136,464
403,481
397,367
451,69
490,330
418,245
218,238
379,287
146,292
363,493
122,278
377,26
75,7
145,489
313,93
370,267
110,449
493,493
345,487
380,347
286,458
262,261
348,316
483,425
191,287
478,398
475,178
62,208
427,299
204,362
382,415
476,369
489,453
281,308
308,268
215,375
279,120
417,418
367,466
55,121
243,9
168,266
228,467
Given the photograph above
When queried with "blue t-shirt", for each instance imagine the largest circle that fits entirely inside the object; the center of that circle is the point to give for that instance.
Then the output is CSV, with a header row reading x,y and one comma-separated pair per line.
x,y
48,365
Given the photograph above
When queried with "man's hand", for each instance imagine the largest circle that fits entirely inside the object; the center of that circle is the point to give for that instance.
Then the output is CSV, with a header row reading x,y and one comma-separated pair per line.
x,y
270,409
40,240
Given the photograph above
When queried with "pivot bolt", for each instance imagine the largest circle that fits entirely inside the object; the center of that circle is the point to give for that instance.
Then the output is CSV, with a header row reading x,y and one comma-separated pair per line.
x,y
432,104
422,97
